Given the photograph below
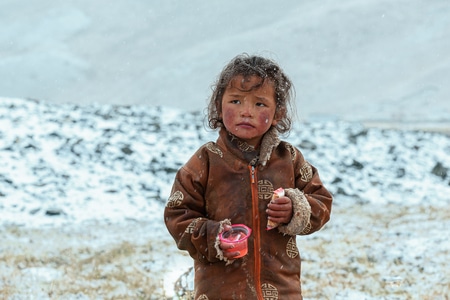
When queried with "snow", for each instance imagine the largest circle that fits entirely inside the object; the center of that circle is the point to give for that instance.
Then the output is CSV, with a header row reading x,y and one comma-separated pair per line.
x,y
65,165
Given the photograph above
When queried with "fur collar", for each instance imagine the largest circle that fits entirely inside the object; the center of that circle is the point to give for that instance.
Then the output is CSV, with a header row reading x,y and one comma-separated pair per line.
x,y
269,142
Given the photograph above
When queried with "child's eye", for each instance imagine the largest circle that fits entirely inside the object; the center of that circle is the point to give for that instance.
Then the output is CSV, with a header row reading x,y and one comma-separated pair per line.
x,y
235,101
260,104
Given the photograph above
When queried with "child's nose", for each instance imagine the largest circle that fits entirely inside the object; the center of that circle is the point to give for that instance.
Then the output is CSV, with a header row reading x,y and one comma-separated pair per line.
x,y
246,109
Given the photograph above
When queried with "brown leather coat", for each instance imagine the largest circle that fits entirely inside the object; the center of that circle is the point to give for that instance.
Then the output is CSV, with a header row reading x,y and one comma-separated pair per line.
x,y
227,182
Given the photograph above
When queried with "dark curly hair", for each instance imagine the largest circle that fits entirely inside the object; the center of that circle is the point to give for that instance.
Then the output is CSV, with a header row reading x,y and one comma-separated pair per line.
x,y
246,66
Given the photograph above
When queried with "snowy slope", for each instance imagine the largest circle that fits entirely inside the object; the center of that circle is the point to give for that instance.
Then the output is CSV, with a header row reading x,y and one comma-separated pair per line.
x,y
69,160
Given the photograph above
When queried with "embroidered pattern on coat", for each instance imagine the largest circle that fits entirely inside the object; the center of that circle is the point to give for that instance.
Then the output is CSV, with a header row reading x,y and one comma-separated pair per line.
x,y
291,248
306,172
269,291
291,149
191,227
307,229
214,149
265,190
175,199
203,297
243,146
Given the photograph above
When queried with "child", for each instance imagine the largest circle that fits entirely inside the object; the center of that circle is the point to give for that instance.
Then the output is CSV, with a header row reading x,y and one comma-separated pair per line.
x,y
232,182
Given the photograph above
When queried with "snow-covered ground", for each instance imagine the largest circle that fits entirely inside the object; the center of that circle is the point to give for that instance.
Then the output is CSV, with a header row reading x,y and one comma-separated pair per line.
x,y
78,176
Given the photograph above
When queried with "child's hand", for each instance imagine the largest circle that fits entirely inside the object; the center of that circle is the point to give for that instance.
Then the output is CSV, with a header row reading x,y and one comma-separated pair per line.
x,y
229,254
280,210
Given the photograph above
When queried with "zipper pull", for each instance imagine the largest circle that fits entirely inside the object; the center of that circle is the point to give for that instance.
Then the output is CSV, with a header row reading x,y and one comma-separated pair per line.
x,y
253,174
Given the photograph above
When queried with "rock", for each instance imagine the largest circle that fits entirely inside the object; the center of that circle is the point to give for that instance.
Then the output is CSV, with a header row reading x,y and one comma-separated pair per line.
x,y
401,172
357,165
54,212
127,150
440,170
305,144
353,138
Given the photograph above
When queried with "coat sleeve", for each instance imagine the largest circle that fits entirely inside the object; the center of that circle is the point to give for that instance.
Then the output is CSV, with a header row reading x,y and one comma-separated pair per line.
x,y
311,200
185,213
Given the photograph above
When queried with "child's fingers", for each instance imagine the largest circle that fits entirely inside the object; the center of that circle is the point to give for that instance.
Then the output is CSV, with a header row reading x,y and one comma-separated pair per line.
x,y
226,227
279,207
280,210
226,246
227,250
273,214
280,204
281,200
231,255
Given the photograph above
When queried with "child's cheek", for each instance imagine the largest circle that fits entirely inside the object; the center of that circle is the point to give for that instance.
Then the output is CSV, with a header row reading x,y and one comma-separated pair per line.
x,y
228,117
264,118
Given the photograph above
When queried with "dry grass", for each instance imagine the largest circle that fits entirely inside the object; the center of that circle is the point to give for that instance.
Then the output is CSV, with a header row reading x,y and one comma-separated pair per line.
x,y
54,264
382,251
385,251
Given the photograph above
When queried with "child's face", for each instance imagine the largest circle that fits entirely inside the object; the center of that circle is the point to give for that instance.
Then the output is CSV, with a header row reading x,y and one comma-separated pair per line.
x,y
248,113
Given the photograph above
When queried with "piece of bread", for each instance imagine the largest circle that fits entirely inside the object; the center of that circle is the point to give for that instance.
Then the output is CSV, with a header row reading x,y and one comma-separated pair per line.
x,y
276,194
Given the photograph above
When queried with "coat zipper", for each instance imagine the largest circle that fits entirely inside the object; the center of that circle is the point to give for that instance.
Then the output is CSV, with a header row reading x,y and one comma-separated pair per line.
x,y
257,230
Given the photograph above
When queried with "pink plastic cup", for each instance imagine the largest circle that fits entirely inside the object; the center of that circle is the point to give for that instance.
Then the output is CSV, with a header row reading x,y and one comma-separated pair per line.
x,y
237,236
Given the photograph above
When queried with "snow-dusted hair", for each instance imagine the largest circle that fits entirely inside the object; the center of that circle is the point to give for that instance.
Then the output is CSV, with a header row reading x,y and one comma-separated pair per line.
x,y
246,66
